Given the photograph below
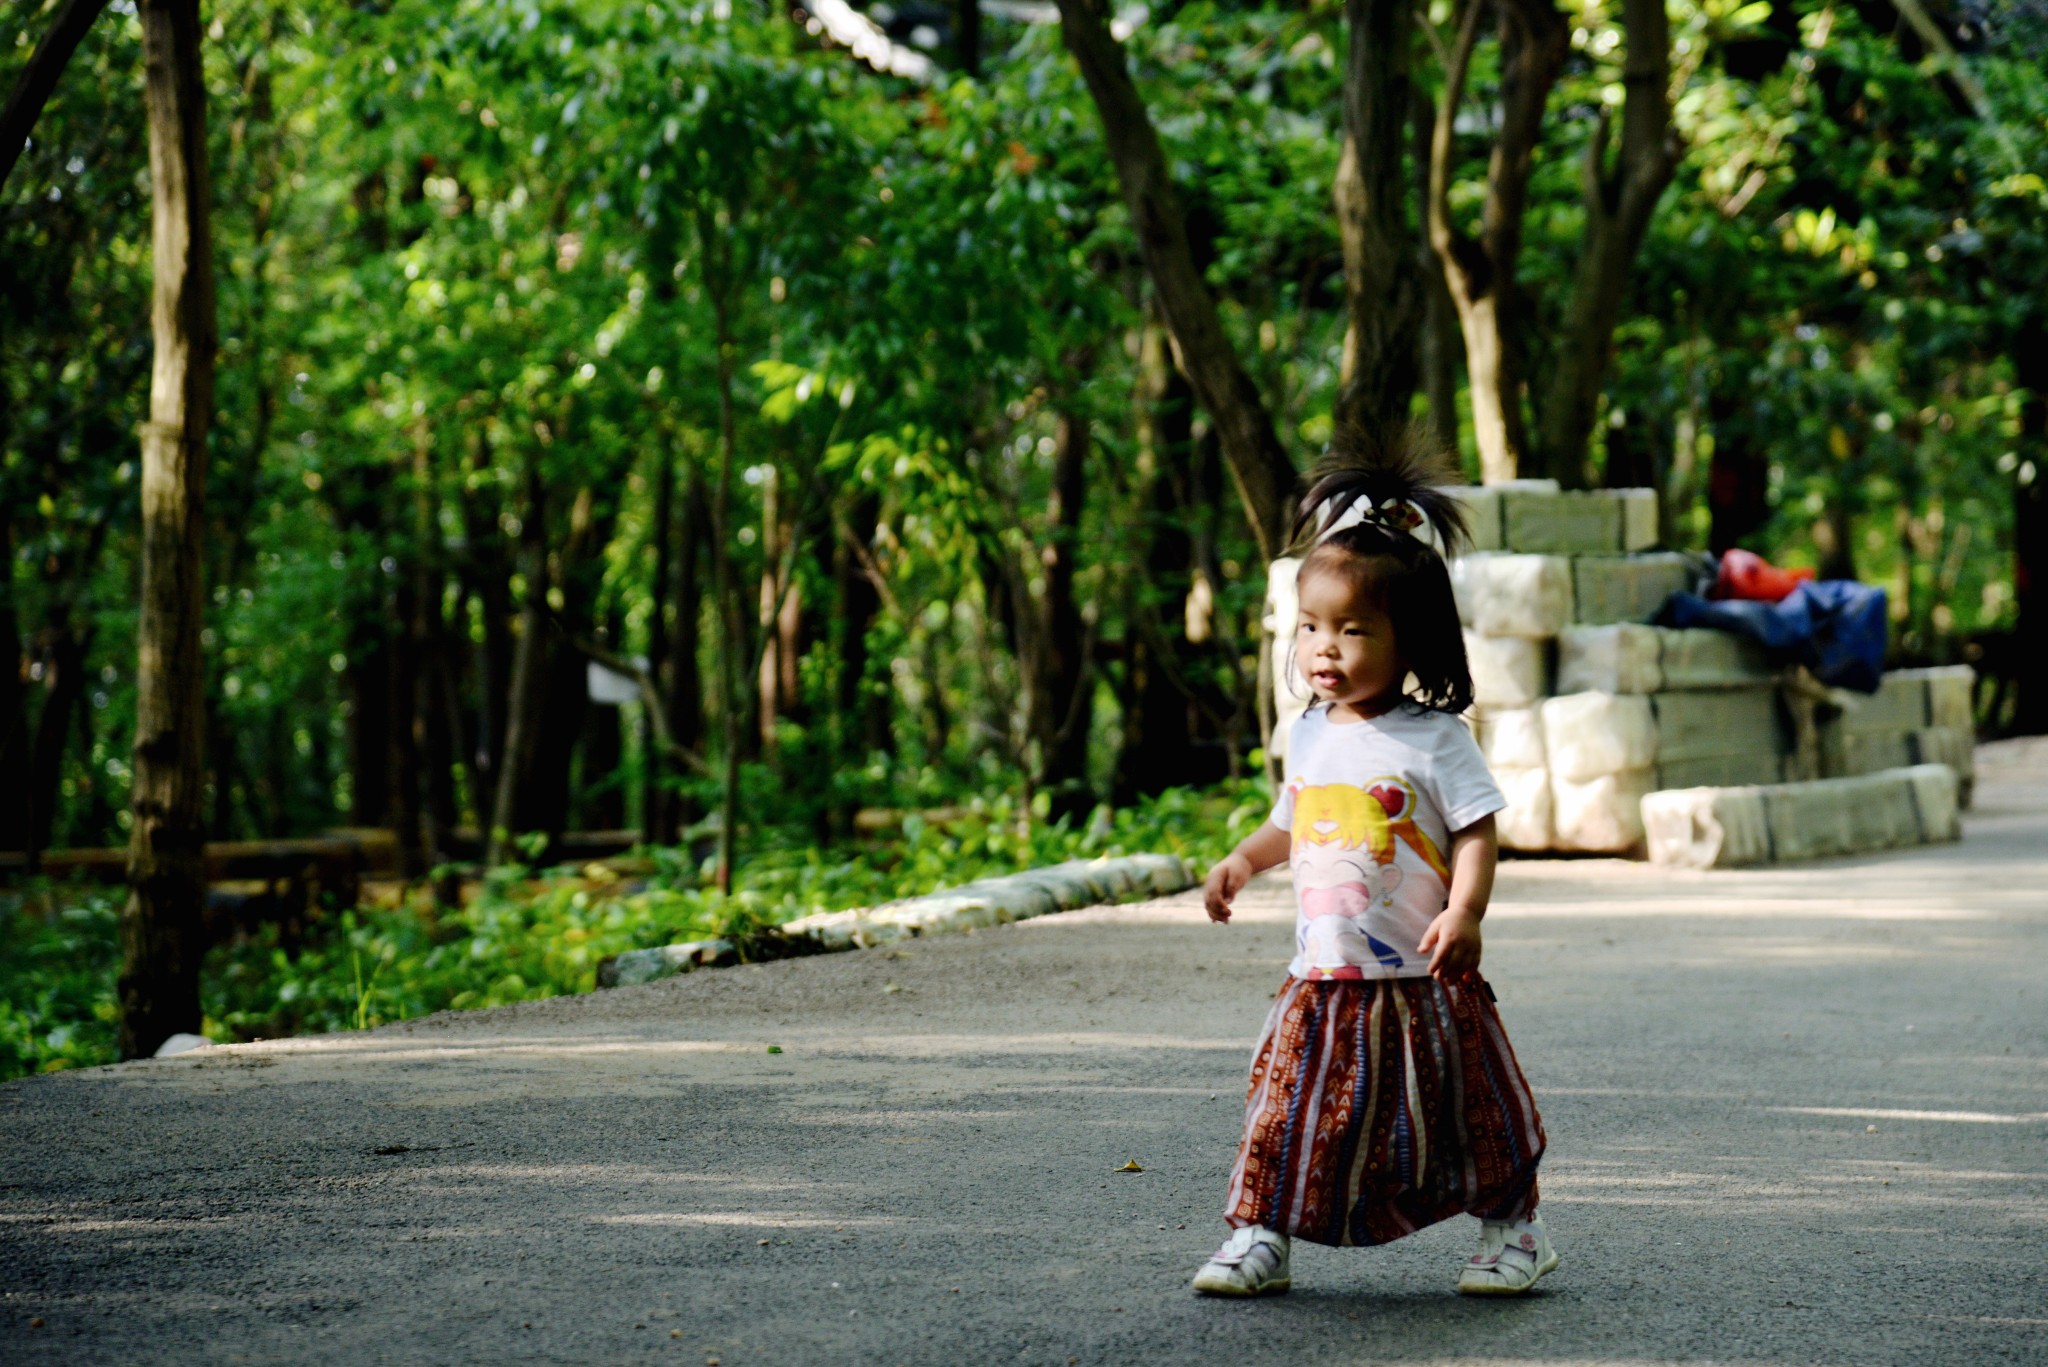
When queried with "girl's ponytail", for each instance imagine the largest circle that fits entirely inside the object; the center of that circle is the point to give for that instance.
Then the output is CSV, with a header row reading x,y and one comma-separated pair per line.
x,y
1377,512
1394,481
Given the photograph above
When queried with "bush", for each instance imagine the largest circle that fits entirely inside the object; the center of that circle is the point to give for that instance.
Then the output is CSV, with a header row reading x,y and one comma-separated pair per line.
x,y
527,934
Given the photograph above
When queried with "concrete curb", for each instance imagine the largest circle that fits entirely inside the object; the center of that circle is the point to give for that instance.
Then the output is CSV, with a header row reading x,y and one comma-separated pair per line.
x,y
1713,828
973,906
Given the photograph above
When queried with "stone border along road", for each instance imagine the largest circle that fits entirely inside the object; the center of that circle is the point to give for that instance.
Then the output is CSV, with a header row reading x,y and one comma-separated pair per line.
x,y
1799,1115
981,905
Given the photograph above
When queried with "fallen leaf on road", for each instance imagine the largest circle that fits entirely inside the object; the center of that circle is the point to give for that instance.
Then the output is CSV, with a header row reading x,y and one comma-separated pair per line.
x,y
774,1048
1131,1166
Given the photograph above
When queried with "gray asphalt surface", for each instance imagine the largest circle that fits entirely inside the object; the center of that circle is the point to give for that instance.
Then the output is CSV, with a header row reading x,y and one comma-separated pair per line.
x,y
1797,1116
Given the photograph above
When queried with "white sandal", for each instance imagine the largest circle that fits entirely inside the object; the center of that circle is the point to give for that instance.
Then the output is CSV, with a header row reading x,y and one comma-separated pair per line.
x,y
1512,1256
1252,1262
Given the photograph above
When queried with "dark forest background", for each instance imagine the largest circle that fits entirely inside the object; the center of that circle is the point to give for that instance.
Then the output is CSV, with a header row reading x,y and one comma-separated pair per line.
x,y
900,438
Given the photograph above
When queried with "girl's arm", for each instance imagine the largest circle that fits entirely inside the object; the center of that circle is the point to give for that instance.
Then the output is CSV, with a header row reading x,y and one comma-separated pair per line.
x,y
1452,940
1256,853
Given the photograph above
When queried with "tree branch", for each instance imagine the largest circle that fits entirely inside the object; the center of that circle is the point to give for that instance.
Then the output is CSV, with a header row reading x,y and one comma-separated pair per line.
x,y
1457,65
39,78
1259,465
650,698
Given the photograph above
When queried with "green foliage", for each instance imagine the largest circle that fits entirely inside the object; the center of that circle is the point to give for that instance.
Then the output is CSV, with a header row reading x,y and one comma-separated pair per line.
x,y
57,965
528,934
484,265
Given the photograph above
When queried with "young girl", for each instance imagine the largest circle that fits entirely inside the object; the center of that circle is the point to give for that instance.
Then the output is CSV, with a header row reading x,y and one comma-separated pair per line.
x,y
1384,1094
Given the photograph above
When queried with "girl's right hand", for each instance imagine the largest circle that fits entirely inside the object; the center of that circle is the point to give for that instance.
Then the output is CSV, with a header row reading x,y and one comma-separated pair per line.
x,y
1223,884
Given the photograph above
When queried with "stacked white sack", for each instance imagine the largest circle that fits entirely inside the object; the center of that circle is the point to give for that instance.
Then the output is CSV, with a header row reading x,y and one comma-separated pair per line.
x,y
1291,695
1917,716
1602,749
1512,742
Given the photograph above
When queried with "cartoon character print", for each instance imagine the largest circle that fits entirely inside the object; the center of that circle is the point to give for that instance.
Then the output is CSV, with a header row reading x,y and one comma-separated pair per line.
x,y
1344,844
1337,887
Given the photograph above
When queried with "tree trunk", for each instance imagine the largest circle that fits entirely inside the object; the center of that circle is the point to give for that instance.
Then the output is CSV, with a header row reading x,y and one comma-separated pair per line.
x,y
368,681
1264,474
158,988
732,647
967,38
1441,341
546,791
1620,200
1157,734
32,88
776,692
489,578
14,728
1481,272
1383,280
2029,349
657,817
861,713
404,810
64,691
600,796
528,690
1738,493
686,677
1066,690
435,707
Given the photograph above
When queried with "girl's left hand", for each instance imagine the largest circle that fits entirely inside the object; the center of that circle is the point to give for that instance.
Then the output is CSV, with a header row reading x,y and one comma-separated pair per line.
x,y
1452,943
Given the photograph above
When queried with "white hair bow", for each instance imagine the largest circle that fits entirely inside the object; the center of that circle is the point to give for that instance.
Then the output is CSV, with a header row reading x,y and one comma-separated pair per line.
x,y
1394,514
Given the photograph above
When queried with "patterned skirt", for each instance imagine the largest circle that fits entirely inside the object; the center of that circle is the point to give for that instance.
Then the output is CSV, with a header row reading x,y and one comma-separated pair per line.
x,y
1380,1107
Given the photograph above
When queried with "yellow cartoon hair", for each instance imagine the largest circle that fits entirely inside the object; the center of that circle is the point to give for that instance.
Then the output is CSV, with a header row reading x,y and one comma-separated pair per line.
x,y
1357,818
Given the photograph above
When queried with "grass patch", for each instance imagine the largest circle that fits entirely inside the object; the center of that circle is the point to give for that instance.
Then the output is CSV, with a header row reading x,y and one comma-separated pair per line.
x,y
530,933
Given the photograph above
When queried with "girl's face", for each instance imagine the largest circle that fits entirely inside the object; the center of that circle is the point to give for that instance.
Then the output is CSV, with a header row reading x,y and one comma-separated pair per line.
x,y
1344,646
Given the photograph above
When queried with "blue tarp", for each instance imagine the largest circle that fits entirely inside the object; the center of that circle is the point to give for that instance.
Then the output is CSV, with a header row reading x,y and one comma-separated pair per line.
x,y
1835,627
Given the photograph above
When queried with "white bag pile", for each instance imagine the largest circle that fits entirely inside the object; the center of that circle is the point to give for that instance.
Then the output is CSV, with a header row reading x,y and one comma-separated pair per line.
x,y
1917,716
1583,709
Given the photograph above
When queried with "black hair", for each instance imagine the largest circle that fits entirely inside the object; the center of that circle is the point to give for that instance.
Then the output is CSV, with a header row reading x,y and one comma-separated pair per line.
x,y
1393,566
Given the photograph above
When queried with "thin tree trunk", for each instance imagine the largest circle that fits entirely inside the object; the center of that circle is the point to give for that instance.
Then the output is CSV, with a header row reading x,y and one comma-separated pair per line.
x,y
967,38
1067,687
33,87
1441,340
62,648
1156,730
489,577
2029,349
546,791
731,644
855,705
685,678
600,797
158,988
434,707
1383,282
529,672
768,694
1481,272
404,809
368,680
14,727
64,685
1620,200
1264,474
657,820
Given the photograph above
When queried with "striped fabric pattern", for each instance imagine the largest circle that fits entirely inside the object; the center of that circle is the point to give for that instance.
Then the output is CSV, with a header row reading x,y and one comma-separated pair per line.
x,y
1377,1108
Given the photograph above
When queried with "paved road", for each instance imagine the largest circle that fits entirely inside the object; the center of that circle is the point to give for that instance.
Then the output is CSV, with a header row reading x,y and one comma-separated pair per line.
x,y
1797,1116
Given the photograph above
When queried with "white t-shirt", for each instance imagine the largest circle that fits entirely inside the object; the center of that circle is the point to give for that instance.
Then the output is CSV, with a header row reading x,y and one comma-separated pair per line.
x,y
1371,807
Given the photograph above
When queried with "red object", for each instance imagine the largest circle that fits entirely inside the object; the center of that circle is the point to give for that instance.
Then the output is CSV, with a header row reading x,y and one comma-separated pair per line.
x,y
1745,574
